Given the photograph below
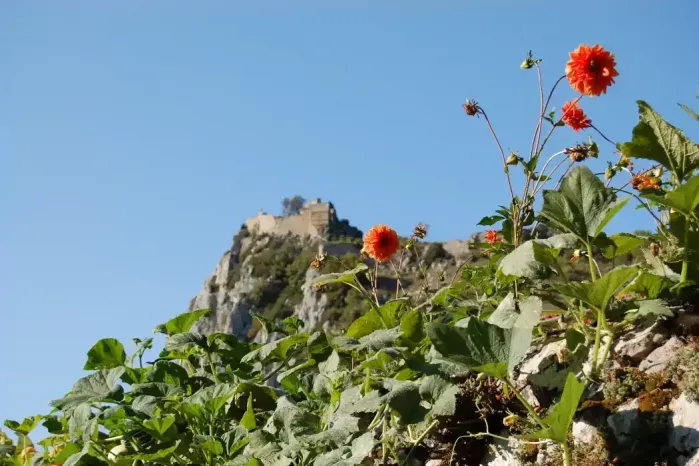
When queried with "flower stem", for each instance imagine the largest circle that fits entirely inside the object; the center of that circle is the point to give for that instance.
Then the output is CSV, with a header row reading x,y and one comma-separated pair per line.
x,y
526,404
567,458
598,340
591,260
685,257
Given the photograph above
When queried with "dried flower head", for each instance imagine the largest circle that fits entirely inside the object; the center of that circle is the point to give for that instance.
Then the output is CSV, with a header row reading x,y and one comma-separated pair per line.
x,y
381,243
580,152
471,107
420,231
644,181
513,158
574,116
591,70
654,249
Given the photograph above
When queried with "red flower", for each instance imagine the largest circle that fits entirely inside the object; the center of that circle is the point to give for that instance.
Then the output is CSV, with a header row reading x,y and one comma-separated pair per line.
x,y
381,243
591,70
574,116
491,237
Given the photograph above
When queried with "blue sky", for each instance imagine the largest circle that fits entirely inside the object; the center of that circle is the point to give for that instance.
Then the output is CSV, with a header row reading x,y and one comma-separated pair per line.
x,y
136,137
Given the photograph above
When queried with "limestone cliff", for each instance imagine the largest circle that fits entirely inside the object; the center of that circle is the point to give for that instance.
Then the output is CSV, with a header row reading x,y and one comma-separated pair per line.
x,y
266,271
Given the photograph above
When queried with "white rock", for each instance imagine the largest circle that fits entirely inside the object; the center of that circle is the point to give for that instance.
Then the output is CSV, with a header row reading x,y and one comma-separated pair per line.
x,y
543,370
625,421
638,344
584,432
660,358
500,453
684,435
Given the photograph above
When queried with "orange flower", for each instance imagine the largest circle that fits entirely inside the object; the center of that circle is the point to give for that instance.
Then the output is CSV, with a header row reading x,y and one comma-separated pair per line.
x,y
381,243
491,237
574,116
591,70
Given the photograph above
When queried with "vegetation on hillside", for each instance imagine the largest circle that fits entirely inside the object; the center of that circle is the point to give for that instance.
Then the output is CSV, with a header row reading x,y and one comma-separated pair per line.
x,y
433,366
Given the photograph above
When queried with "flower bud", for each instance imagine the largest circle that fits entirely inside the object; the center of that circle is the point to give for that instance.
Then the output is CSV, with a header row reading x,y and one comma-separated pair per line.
x,y
609,173
512,159
471,107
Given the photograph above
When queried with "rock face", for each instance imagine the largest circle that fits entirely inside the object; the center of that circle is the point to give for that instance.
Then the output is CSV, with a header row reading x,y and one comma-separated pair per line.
x,y
266,272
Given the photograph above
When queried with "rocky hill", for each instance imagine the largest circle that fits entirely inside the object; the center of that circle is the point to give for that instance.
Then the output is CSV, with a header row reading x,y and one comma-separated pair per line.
x,y
267,272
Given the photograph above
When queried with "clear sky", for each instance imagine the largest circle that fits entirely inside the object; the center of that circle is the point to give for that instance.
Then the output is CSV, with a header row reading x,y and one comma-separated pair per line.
x,y
136,137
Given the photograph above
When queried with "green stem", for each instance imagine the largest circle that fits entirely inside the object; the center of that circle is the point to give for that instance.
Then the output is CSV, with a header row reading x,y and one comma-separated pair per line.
x,y
591,261
419,440
685,257
213,369
567,458
605,352
526,404
598,339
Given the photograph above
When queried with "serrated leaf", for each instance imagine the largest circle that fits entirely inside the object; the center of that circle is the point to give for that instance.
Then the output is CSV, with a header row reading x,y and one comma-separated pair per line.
x,y
379,339
441,394
650,285
655,139
340,277
583,205
214,397
100,386
684,199
404,398
27,425
182,342
481,346
656,307
561,418
621,244
412,327
209,444
384,317
507,314
182,323
599,293
105,354
529,260
277,350
490,220
162,428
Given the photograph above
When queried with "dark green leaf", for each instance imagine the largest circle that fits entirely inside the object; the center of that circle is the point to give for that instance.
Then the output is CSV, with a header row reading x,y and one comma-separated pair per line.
x,y
561,417
621,244
650,285
248,420
491,220
105,354
574,339
412,327
598,294
655,139
441,395
213,398
684,199
27,425
162,428
384,317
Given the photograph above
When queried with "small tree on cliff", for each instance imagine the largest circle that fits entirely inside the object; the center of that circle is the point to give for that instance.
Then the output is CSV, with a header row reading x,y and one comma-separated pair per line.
x,y
292,205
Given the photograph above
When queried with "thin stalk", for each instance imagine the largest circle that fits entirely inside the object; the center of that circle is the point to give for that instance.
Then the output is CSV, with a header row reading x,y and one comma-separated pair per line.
x,y
607,348
685,256
567,458
214,372
502,153
526,404
591,260
384,442
419,440
598,339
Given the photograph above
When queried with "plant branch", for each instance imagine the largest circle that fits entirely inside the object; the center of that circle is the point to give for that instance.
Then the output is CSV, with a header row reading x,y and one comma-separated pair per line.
x,y
502,153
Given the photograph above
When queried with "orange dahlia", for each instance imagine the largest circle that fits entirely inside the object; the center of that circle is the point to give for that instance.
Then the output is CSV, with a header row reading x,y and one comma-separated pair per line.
x,y
574,116
492,237
644,181
591,69
381,243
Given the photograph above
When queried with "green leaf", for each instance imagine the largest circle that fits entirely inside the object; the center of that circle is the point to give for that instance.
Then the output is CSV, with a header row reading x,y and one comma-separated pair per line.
x,y
379,339
277,350
27,425
340,277
610,214
151,458
100,386
384,317
182,323
404,399
69,449
248,420
441,394
209,444
561,417
490,220
574,339
582,206
598,294
162,428
526,315
183,342
481,346
533,259
655,139
651,285
168,372
684,199
105,354
656,307
412,327
622,243
214,397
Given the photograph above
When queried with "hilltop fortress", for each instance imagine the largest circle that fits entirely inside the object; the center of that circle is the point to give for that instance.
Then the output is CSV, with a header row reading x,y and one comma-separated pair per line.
x,y
316,219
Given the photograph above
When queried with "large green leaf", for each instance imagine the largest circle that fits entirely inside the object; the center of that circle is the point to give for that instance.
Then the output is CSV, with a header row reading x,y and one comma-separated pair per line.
x,y
582,206
27,425
684,199
105,354
248,420
524,314
481,346
100,386
561,417
412,327
404,398
441,395
384,317
599,293
340,277
161,428
182,323
214,397
650,285
622,243
277,350
533,259
655,139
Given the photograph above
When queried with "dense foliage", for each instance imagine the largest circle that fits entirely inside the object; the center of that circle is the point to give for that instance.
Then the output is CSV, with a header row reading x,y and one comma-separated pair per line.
x,y
412,363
